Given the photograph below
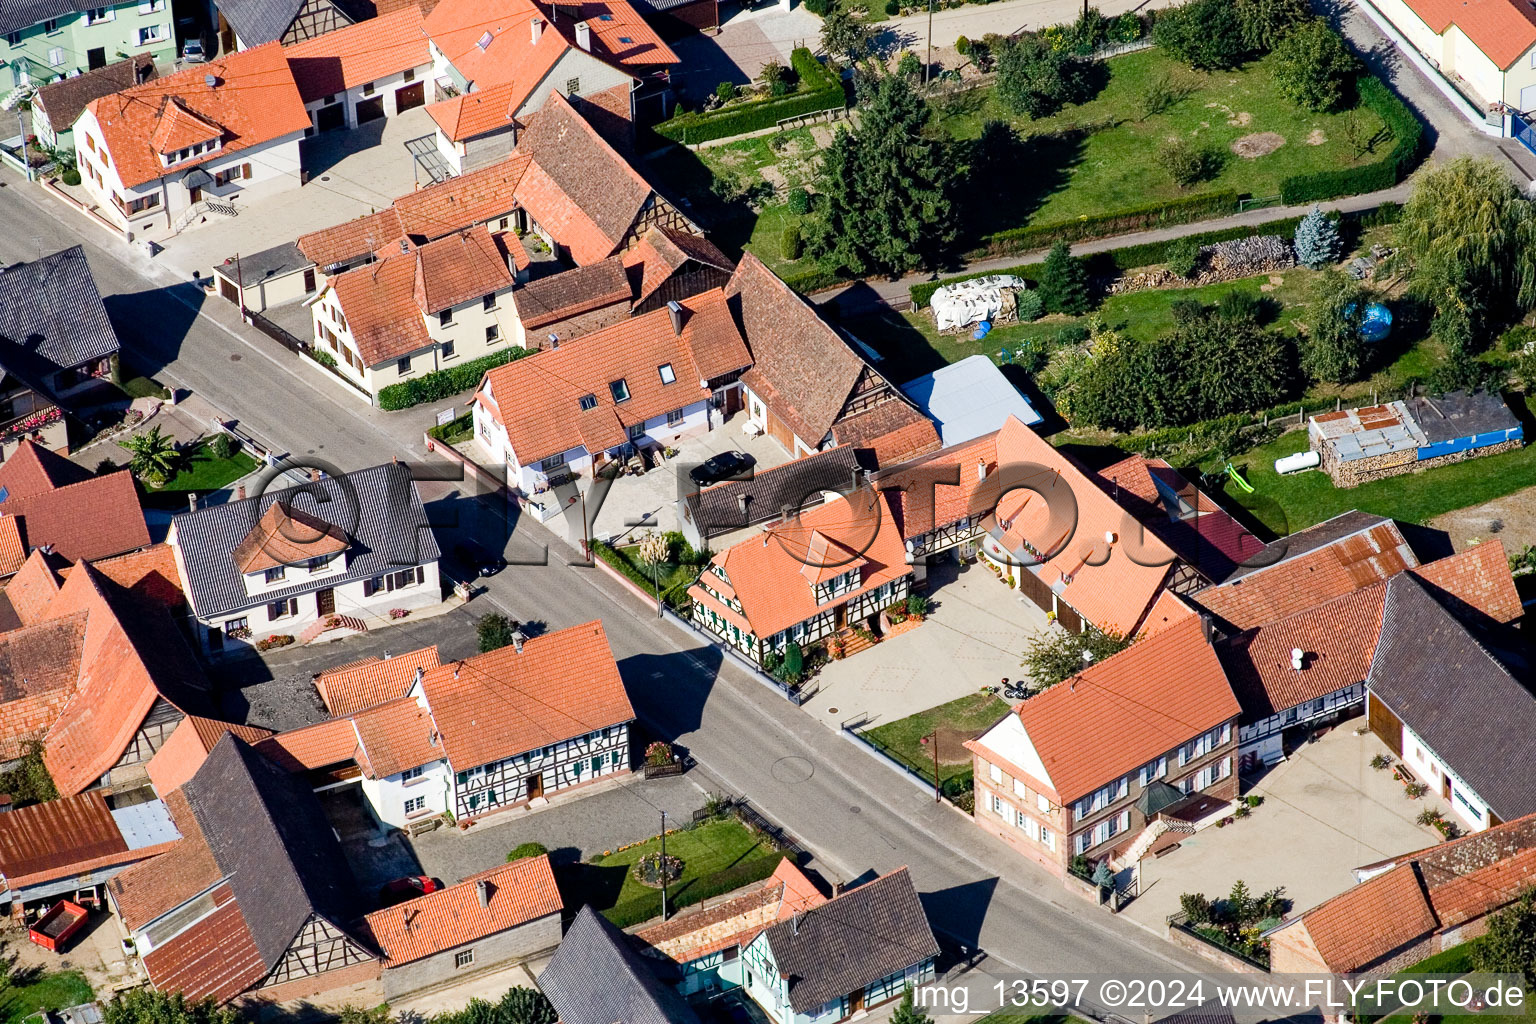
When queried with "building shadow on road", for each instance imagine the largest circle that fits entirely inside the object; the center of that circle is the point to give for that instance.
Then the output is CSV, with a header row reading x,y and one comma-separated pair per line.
x,y
669,691
957,913
153,324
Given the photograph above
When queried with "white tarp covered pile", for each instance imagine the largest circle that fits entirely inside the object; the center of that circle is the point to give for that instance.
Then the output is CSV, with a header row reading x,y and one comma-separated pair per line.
x,y
993,298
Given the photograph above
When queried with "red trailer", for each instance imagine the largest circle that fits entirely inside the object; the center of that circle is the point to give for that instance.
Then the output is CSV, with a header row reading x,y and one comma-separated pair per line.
x,y
54,929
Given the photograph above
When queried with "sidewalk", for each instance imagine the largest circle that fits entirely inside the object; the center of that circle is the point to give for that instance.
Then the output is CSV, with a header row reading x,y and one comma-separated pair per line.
x,y
1007,18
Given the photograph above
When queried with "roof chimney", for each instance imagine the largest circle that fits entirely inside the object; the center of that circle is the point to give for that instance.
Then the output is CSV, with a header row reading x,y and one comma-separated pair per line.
x,y
1087,657
584,36
741,503
554,340
536,24
517,640
483,890
1298,658
673,309
981,470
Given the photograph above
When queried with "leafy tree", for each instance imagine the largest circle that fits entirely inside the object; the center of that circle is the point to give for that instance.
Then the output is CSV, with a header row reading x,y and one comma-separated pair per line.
x,y
1332,349
909,65
494,631
145,1006
776,77
523,850
885,201
1238,906
725,91
1317,240
525,1006
1205,34
29,781
1057,654
1036,80
1314,68
155,456
1188,163
1064,282
1468,239
844,35
1510,943
907,1013
1267,22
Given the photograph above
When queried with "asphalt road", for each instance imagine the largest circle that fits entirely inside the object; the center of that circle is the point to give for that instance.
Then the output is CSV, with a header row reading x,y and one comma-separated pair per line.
x,y
856,813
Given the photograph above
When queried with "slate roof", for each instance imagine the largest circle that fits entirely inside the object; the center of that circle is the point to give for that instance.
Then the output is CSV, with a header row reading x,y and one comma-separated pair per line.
x,y
595,977
51,315
866,934
253,101
269,836
63,101
1443,678
379,508
572,292
21,14
800,483
259,21
505,702
517,893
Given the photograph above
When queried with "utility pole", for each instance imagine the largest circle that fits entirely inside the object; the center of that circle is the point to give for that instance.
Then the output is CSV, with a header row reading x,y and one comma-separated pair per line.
x,y
929,61
663,865
938,793
240,284
26,160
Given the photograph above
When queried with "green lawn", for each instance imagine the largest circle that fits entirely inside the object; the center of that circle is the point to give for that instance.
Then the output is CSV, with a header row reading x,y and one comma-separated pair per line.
x,y
1101,156
705,850
201,472
1285,504
1458,960
51,991
902,738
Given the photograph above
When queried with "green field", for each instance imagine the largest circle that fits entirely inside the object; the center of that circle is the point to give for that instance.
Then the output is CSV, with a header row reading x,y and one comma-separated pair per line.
x,y
26,995
1100,157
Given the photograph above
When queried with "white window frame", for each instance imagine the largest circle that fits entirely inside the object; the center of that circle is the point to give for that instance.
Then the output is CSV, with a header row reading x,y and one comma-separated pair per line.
x,y
100,15
414,804
151,34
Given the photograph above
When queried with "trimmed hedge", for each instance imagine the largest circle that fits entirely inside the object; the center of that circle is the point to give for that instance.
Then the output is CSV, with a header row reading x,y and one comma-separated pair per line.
x,y
643,908
821,89
1174,211
441,384
1384,173
674,597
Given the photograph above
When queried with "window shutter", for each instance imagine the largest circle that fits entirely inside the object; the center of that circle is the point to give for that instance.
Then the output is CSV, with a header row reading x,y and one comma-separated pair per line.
x,y
245,171
367,588
1125,820
421,574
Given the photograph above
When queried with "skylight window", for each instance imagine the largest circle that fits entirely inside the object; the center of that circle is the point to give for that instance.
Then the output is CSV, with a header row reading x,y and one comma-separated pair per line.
x,y
620,390
667,376
588,402
605,17
484,42
625,39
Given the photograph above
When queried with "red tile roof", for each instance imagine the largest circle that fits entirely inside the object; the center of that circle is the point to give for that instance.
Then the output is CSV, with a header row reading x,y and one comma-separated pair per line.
x,y
894,429
358,54
150,574
32,589
1306,580
379,303
1354,930
1480,577
13,550
767,576
355,238
178,128
216,958
394,737
1204,535
254,100
507,702
369,683
662,252
464,200
39,670
180,756
1162,691
286,536
1168,609
1337,637
33,469
313,746
734,921
1503,29
91,519
476,113
517,893
460,267
542,392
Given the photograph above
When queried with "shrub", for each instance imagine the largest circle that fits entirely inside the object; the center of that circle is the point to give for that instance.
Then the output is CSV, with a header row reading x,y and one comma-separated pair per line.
x,y
494,631
1188,163
1183,256
70,176
1072,334
1196,907
794,662
799,201
1408,136
963,46
323,357
1317,240
1031,306
1127,28
1172,211
1381,762
725,91
917,606
1332,350
1036,79
1064,282
892,8
818,7
1205,34
1314,68
441,384
523,850
820,89
222,446
790,244
909,64
1415,790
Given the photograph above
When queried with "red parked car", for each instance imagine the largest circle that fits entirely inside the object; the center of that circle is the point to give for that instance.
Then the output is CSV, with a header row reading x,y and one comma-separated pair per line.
x,y
408,888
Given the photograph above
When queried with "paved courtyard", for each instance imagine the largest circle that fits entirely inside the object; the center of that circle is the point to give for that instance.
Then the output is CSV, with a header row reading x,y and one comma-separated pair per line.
x,y
352,173
1325,811
975,635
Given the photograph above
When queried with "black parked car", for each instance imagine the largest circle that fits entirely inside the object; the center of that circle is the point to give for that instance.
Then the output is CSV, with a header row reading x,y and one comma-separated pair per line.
x,y
476,558
725,466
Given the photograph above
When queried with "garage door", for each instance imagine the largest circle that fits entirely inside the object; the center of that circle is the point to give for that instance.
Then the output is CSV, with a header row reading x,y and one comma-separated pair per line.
x,y
370,110
330,118
1528,98
410,97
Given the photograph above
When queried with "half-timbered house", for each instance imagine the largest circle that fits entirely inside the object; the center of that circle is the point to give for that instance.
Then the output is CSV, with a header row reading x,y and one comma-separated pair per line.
x,y
256,900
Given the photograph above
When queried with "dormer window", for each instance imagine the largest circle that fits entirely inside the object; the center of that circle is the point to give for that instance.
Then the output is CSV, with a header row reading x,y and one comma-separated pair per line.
x,y
276,574
588,402
667,376
619,389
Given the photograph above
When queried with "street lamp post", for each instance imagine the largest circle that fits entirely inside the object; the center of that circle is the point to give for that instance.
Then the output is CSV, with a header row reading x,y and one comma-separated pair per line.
x,y
663,866
928,63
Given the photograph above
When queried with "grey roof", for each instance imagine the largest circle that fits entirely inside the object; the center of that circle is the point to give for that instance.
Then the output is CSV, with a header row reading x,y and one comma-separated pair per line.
x,y
799,484
1329,531
259,21
269,263
51,316
379,508
269,836
1158,796
1209,1012
847,943
596,977
65,100
16,15
968,399
1460,414
1455,685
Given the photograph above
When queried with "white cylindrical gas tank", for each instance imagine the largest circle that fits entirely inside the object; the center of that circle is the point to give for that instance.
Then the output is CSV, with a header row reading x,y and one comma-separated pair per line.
x,y
1298,462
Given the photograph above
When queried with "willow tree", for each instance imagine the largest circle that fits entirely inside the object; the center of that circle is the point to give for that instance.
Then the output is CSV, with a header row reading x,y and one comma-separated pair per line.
x,y
1468,239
